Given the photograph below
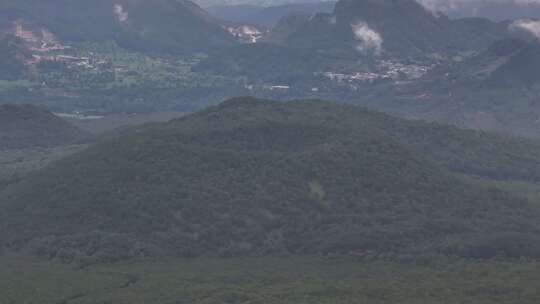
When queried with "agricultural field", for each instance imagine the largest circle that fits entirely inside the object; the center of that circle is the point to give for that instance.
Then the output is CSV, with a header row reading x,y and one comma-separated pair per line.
x,y
103,77
106,66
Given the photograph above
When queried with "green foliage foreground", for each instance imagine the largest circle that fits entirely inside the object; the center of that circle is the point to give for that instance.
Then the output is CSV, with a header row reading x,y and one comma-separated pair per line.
x,y
298,280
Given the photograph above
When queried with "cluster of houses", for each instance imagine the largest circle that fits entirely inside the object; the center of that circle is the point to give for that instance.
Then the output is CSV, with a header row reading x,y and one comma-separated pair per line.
x,y
267,87
44,44
40,41
386,70
81,62
246,33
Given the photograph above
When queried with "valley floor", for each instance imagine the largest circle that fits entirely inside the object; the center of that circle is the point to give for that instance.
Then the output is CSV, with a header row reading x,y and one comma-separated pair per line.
x,y
271,280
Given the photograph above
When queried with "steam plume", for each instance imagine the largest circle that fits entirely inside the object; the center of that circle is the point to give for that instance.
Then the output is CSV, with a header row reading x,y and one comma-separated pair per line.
x,y
530,26
120,13
369,39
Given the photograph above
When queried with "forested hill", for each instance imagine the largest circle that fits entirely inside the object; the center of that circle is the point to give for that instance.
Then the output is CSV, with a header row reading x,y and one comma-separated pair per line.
x,y
25,126
255,177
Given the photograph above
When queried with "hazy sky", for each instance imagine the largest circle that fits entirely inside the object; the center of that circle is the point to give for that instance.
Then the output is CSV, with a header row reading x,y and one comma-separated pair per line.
x,y
468,7
430,3
452,4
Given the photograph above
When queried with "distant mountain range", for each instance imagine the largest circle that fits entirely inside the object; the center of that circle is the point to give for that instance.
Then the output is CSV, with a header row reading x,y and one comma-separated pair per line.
x,y
268,16
259,3
397,56
496,10
354,37
497,89
157,26
511,63
377,53
394,27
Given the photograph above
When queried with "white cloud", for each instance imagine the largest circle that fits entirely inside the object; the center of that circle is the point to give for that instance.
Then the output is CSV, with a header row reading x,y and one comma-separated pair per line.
x,y
120,13
369,39
530,26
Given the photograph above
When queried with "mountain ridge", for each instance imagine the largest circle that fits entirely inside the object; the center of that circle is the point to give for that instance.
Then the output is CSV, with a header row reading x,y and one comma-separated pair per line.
x,y
168,26
398,23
